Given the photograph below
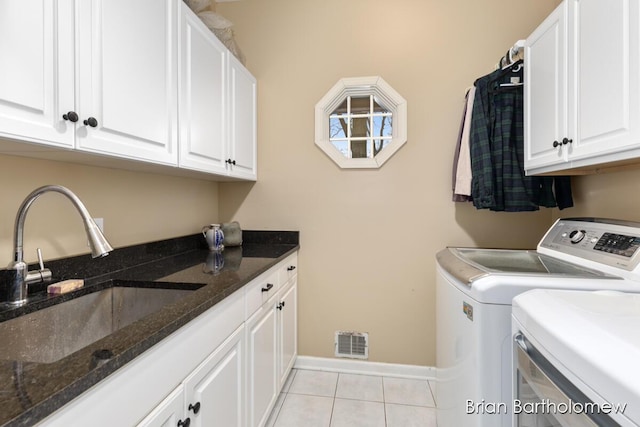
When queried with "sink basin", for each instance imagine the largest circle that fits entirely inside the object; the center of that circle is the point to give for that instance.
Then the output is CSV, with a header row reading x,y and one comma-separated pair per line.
x,y
52,333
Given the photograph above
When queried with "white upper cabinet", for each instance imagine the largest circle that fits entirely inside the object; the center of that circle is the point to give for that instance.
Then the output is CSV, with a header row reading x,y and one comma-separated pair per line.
x,y
36,75
546,91
127,79
242,121
583,114
217,104
140,80
606,76
203,72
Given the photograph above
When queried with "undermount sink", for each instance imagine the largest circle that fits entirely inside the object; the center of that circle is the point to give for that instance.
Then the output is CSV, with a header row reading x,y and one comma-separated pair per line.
x,y
50,334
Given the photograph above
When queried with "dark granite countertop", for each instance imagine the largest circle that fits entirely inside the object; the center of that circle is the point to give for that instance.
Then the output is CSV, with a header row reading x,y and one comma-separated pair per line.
x,y
30,391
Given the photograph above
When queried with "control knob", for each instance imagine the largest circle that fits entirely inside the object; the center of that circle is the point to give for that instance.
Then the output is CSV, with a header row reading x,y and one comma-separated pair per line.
x,y
576,236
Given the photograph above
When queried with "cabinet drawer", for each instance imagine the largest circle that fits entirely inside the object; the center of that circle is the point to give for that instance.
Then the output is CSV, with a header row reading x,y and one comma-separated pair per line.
x,y
260,290
288,268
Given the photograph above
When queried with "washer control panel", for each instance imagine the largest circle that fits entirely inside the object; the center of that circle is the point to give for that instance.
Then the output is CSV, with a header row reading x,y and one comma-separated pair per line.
x,y
610,242
618,244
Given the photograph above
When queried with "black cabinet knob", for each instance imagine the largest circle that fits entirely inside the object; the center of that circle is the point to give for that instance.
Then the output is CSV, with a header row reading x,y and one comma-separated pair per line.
x,y
267,288
555,144
195,408
185,423
291,268
91,121
71,116
279,306
566,141
231,162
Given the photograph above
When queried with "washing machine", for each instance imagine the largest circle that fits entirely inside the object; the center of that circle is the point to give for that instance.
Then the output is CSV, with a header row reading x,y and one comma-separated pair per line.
x,y
474,292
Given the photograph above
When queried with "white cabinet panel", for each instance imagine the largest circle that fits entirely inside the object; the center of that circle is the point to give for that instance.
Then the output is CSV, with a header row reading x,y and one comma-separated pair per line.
x,y
202,96
127,70
215,390
217,104
607,76
243,121
288,330
546,91
261,373
167,413
36,76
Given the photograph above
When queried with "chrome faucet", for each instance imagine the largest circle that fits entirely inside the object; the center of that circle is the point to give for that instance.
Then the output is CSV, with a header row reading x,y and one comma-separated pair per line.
x,y
17,274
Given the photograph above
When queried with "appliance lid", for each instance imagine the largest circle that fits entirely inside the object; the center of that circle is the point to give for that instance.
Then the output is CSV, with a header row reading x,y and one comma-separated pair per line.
x,y
470,264
594,337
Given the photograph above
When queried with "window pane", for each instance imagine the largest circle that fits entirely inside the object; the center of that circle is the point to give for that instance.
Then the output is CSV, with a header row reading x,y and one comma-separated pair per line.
x,y
378,145
360,127
342,146
360,105
377,108
382,126
358,149
337,127
342,108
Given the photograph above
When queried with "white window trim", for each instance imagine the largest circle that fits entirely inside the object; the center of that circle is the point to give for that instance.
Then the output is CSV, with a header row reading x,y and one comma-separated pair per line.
x,y
361,86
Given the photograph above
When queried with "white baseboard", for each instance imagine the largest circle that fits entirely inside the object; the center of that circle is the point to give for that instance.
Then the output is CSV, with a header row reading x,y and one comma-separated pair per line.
x,y
348,366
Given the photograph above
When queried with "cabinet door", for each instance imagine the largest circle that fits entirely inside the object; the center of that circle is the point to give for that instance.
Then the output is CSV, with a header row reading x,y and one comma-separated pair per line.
x,y
203,136
288,331
168,413
36,76
127,78
243,122
606,76
215,390
261,373
546,92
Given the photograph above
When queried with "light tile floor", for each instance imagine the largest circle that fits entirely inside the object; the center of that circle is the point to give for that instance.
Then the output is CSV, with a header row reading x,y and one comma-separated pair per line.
x,y
329,399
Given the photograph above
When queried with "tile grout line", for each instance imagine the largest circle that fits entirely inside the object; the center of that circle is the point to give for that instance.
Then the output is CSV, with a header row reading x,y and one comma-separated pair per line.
x,y
384,403
333,404
286,395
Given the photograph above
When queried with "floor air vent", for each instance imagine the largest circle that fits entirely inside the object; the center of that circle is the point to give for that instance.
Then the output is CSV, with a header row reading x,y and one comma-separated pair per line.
x,y
352,344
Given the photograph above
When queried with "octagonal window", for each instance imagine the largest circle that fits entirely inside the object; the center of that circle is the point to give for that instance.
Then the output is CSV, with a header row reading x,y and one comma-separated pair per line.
x,y
361,122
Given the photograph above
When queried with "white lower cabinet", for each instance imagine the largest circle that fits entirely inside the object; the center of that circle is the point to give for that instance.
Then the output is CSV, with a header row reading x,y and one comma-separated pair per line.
x,y
211,395
168,413
272,344
261,363
287,329
224,368
214,392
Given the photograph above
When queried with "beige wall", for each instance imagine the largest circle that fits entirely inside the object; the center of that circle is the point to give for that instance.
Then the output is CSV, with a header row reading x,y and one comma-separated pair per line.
x,y
369,237
136,207
610,195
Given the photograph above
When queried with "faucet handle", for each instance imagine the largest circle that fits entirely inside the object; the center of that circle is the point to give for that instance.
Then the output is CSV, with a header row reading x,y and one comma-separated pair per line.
x,y
40,260
41,275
